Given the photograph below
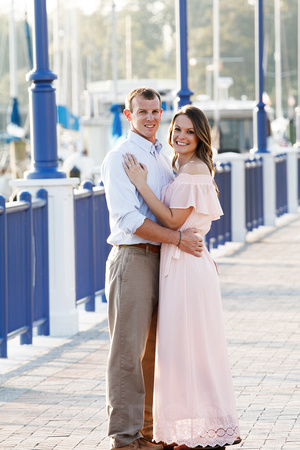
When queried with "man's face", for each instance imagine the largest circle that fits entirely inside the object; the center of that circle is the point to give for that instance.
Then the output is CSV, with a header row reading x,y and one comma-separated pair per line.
x,y
144,117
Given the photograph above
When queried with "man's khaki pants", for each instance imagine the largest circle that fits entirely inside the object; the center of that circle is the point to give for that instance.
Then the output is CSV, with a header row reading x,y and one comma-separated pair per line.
x,y
131,289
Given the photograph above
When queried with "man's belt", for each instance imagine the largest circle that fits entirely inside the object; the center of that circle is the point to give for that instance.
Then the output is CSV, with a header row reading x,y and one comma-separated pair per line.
x,y
147,247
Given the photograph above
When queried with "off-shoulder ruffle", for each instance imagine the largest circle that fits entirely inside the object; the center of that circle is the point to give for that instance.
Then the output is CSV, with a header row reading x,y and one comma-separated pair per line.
x,y
197,191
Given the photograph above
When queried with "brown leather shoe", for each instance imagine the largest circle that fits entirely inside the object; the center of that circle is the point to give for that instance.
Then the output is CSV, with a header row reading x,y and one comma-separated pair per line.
x,y
150,445
141,444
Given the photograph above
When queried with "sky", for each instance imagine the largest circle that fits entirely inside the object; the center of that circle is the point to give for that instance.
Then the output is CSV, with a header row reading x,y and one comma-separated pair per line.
x,y
20,6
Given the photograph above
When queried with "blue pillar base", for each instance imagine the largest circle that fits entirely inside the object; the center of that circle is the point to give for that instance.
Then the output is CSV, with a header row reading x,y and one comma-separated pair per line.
x,y
184,97
261,150
261,128
40,174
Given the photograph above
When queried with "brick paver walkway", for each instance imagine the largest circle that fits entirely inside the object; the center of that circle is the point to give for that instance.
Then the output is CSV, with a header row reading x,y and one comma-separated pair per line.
x,y
55,398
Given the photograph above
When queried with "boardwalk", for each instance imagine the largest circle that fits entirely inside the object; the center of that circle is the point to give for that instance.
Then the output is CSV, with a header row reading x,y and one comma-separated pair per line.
x,y
52,395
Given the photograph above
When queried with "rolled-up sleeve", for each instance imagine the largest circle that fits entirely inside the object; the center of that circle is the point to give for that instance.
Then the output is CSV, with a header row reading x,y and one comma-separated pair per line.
x,y
121,195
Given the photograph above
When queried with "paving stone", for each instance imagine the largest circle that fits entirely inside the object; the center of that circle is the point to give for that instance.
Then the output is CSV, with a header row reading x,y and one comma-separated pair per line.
x,y
52,396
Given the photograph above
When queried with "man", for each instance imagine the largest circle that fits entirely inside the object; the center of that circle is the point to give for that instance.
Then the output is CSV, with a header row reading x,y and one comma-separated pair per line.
x,y
132,274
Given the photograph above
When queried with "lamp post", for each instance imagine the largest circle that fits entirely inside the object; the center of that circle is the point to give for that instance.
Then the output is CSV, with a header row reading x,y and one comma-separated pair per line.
x,y
261,117
42,103
45,174
182,61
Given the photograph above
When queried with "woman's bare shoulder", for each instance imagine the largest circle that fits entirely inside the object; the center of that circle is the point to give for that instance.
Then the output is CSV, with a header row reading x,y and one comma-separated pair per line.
x,y
195,168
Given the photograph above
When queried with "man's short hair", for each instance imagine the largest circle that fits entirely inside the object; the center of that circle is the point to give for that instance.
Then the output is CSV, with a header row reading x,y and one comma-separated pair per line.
x,y
145,92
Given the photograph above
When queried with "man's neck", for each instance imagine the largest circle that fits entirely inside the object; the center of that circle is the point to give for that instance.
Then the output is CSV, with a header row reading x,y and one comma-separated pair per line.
x,y
144,137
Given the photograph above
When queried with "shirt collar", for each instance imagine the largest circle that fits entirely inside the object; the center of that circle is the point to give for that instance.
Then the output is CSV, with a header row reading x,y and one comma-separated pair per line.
x,y
144,143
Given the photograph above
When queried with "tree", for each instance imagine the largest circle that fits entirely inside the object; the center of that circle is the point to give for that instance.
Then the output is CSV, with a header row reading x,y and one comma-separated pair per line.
x,y
153,45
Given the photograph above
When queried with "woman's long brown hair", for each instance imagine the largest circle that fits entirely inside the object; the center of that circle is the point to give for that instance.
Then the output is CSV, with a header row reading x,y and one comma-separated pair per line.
x,y
203,133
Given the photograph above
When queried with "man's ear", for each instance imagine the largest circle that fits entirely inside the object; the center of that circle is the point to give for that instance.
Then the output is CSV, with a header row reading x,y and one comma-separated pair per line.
x,y
127,114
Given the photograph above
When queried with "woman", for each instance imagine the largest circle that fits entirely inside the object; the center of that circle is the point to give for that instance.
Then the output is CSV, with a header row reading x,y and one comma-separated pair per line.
x,y
194,404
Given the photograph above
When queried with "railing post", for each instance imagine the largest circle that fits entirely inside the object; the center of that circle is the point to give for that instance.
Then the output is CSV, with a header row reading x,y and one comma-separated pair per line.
x,y
258,180
227,205
269,189
3,281
298,165
221,221
90,305
62,288
26,338
102,248
248,193
281,184
44,329
292,179
238,188
254,193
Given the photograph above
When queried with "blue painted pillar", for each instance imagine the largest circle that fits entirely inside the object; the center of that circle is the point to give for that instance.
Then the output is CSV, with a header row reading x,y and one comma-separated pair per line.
x,y
182,60
261,115
42,103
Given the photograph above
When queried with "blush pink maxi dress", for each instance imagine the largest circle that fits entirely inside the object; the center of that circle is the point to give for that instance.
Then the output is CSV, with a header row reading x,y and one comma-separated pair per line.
x,y
194,402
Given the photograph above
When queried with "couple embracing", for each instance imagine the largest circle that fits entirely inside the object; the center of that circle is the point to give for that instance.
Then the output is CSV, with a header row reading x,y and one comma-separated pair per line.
x,y
168,375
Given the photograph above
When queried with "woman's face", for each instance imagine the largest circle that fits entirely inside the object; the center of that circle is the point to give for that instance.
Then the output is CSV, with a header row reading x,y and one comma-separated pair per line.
x,y
184,139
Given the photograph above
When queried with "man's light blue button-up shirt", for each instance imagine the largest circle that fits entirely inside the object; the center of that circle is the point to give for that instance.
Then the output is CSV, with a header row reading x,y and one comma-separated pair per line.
x,y
127,209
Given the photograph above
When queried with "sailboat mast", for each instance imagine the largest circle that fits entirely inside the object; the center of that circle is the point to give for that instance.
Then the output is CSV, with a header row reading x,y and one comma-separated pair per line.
x,y
277,57
114,52
13,54
56,52
15,117
216,59
74,31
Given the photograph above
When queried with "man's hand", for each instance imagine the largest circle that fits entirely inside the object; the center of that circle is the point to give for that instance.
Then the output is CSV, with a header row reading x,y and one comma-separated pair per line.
x,y
191,242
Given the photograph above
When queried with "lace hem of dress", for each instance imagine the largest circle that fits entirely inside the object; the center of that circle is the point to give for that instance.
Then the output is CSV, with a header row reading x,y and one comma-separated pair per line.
x,y
193,436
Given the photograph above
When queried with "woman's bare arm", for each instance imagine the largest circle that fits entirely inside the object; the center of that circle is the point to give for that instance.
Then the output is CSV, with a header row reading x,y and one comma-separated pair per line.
x,y
169,217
